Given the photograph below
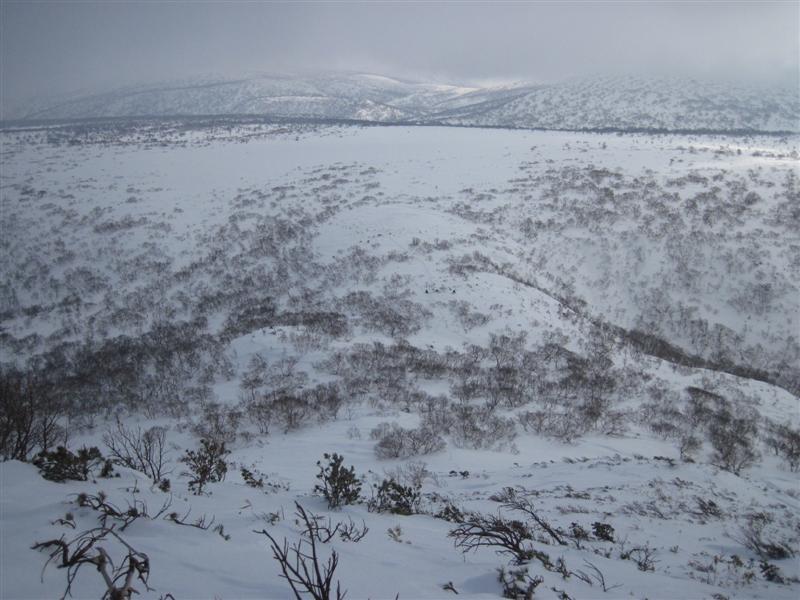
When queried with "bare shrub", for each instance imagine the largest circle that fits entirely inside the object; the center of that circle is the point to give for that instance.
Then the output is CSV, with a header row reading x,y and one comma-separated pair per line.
x,y
643,556
733,440
259,411
123,517
761,534
143,451
301,565
784,441
688,445
476,427
29,416
218,422
396,442
290,411
516,501
82,550
323,530
393,313
505,535
597,575
562,423
411,473
467,317
435,414
702,406
324,399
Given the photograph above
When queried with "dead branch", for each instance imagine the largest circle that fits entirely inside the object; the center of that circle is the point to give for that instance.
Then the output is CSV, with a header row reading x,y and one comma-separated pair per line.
x,y
82,550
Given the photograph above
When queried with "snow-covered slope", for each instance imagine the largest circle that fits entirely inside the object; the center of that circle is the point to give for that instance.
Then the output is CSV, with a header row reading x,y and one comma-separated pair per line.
x,y
350,96
634,103
299,289
595,103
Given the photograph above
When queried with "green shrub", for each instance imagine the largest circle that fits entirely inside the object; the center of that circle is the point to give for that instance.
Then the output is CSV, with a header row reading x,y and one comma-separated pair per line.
x,y
206,464
338,485
395,498
62,465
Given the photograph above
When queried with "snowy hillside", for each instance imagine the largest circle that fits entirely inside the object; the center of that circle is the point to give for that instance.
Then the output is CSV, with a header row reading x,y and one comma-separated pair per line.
x,y
626,103
357,96
636,103
558,362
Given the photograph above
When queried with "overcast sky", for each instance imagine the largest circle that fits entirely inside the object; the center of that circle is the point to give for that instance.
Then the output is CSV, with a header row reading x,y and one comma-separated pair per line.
x,y
56,47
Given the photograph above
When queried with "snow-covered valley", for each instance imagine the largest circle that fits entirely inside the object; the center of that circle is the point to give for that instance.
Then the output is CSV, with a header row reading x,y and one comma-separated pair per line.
x,y
588,339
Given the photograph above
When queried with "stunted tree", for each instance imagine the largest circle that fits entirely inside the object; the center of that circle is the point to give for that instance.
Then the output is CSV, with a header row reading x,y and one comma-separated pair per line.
x,y
143,451
206,464
733,439
29,415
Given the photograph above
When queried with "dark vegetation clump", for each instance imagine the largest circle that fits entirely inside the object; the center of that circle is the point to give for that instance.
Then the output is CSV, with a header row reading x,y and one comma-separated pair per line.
x,y
338,485
62,465
206,464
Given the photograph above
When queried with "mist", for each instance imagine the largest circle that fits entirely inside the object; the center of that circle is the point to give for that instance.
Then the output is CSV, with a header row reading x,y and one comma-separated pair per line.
x,y
51,48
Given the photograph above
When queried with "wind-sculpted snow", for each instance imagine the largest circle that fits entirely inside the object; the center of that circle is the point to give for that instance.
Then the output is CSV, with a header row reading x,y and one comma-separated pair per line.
x,y
611,103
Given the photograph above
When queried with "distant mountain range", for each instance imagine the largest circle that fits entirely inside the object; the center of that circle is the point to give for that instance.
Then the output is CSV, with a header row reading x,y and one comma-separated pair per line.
x,y
617,103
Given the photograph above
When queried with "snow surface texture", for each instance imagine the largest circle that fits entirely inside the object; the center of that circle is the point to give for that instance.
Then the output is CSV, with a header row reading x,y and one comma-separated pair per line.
x,y
442,237
619,103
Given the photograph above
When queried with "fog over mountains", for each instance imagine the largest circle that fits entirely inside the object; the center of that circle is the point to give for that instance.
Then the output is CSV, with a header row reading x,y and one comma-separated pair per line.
x,y
608,102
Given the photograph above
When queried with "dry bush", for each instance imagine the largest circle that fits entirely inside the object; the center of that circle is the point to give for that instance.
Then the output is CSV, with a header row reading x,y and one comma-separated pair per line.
x,y
118,578
396,442
143,451
301,565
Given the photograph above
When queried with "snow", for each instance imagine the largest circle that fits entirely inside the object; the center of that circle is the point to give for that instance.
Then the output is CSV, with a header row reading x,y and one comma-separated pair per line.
x,y
418,200
589,103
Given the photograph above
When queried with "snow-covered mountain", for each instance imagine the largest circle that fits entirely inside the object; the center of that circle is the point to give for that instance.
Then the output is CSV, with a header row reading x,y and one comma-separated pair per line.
x,y
675,104
349,96
528,331
632,103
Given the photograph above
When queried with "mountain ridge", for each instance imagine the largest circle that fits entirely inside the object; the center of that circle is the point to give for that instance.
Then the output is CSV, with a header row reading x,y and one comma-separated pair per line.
x,y
595,103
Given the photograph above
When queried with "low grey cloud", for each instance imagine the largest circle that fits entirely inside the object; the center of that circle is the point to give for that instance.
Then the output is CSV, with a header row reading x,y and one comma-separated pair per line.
x,y
60,47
